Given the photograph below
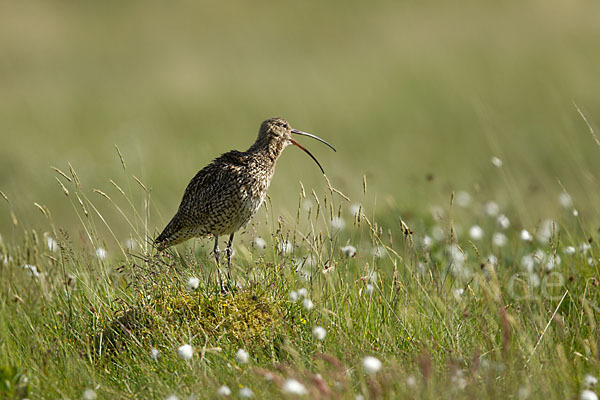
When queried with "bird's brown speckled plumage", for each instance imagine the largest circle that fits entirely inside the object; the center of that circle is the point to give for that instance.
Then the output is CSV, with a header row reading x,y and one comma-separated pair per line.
x,y
225,194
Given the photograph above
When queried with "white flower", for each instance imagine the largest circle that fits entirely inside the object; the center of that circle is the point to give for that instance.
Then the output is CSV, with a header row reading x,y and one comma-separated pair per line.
x,y
575,213
427,242
492,260
569,250
371,365
292,386
588,395
319,333
307,204
476,233
224,391
101,253
378,252
527,262
285,247
497,162
302,292
242,356
172,397
52,245
411,381
186,352
438,233
154,354
308,304
491,208
565,200
552,261
370,289
585,247
349,251
246,393
590,380
89,394
457,256
503,221
547,228
131,244
499,239
32,270
337,223
260,243
193,283
526,236
463,199
458,293
354,209
293,296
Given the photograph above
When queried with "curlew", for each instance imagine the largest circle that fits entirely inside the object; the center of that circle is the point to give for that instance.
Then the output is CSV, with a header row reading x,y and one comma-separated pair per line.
x,y
224,195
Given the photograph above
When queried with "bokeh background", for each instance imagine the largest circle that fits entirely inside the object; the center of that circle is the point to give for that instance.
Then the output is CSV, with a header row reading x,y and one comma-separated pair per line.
x,y
417,96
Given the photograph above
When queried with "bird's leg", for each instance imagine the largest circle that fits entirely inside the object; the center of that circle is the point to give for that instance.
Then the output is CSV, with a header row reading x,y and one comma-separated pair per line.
x,y
228,251
217,254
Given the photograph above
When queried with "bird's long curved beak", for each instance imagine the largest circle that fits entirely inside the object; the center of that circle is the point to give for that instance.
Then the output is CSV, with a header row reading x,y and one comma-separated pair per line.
x,y
295,143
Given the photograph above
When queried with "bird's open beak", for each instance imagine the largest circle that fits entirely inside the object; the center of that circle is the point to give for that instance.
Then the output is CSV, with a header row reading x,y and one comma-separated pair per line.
x,y
295,143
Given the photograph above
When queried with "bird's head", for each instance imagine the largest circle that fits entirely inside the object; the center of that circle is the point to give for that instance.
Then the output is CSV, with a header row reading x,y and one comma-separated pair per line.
x,y
276,133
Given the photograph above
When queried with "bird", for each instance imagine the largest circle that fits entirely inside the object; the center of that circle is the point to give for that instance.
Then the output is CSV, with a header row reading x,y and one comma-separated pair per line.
x,y
224,195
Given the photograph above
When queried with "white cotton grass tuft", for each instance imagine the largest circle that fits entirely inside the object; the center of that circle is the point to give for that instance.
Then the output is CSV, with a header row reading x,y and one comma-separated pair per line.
x,y
172,397
565,200
499,239
224,391
354,209
337,223
569,250
370,289
246,393
526,236
475,232
154,354
546,230
242,356
185,352
590,380
462,199
378,252
349,251
293,296
427,242
131,244
285,247
302,292
292,386
457,293
491,208
101,253
497,162
192,283
51,244
575,213
503,221
308,304
260,243
89,394
31,270
319,333
588,395
371,365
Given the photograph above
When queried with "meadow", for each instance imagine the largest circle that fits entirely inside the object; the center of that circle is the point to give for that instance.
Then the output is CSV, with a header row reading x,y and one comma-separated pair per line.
x,y
450,251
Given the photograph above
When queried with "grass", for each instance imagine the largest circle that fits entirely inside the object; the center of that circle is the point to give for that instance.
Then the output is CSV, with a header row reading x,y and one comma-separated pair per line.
x,y
445,311
416,97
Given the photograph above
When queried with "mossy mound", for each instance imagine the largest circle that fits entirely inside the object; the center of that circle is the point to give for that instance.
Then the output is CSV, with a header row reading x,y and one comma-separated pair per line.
x,y
250,314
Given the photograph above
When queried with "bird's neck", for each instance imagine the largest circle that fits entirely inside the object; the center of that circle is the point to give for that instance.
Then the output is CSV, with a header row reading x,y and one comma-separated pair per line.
x,y
269,150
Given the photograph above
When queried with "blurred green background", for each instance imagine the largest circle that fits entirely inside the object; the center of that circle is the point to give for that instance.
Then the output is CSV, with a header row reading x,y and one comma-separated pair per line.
x,y
402,89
